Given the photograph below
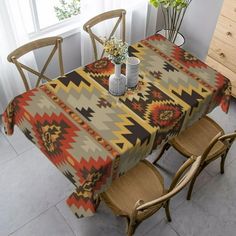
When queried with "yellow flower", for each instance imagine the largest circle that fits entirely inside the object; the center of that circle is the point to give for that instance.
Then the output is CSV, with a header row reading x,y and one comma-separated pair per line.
x,y
116,49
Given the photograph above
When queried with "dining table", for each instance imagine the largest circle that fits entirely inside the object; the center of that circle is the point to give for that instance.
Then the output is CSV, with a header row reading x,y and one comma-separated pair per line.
x,y
93,137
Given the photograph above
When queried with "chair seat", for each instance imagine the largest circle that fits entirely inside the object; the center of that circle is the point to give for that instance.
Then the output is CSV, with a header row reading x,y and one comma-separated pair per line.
x,y
142,182
195,139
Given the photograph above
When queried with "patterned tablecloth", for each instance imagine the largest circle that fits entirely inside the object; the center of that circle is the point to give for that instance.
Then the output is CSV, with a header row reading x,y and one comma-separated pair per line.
x,y
93,137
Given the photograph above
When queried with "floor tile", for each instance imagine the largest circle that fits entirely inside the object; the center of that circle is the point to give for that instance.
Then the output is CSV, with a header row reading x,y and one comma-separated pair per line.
x,y
50,223
6,150
226,121
162,229
103,223
19,142
29,185
158,218
191,220
218,197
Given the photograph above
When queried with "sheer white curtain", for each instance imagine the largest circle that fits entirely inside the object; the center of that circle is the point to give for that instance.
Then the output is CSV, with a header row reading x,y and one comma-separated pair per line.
x,y
136,21
12,35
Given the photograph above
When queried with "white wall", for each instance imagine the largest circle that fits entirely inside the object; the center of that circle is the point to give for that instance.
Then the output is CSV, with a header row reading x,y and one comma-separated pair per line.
x,y
198,27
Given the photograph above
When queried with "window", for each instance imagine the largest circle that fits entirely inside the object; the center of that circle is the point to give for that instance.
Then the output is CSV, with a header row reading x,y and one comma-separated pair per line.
x,y
41,16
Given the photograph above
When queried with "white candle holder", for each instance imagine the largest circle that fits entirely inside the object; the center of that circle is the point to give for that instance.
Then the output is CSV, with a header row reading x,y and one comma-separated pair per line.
x,y
132,71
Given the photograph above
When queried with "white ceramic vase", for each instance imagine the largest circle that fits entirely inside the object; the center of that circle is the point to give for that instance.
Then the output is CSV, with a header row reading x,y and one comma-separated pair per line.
x,y
117,82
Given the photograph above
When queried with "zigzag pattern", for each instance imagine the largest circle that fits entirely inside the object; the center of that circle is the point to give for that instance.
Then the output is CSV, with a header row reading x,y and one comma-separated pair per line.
x,y
187,59
94,173
93,137
72,78
19,106
80,206
78,83
54,135
136,132
120,140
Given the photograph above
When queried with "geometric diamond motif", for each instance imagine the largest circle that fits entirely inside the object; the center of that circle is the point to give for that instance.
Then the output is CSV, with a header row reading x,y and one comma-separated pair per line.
x,y
54,134
174,90
164,115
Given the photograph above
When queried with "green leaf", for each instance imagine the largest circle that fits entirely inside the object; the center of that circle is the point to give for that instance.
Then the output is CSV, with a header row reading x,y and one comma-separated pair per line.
x,y
67,9
155,3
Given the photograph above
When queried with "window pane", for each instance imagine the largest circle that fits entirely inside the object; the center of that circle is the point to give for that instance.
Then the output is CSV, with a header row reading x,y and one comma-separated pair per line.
x,y
26,15
53,11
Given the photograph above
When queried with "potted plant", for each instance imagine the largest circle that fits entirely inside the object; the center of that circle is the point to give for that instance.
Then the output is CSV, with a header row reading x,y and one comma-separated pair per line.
x,y
173,13
117,51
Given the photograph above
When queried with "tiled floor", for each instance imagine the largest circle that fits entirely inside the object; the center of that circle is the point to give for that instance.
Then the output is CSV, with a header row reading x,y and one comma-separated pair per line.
x,y
33,193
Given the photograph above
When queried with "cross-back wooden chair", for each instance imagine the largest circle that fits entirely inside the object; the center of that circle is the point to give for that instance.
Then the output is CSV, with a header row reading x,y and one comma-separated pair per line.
x,y
21,51
140,192
120,13
206,138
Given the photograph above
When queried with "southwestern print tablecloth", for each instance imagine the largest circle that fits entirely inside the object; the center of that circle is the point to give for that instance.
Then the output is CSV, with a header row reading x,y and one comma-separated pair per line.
x,y
93,137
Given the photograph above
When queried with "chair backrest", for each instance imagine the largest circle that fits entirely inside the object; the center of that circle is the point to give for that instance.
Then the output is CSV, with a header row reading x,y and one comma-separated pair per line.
x,y
21,51
120,13
182,177
227,139
187,171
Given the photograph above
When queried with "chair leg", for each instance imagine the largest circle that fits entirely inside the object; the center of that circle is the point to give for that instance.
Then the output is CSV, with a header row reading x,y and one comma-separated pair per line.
x,y
130,228
190,190
167,210
222,163
164,148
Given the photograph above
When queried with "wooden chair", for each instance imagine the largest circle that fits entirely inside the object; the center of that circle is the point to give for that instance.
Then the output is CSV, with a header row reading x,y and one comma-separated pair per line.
x,y
205,137
140,192
120,13
21,51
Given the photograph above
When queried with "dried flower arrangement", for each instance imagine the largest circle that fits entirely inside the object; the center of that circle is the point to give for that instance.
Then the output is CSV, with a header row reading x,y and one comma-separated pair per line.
x,y
116,49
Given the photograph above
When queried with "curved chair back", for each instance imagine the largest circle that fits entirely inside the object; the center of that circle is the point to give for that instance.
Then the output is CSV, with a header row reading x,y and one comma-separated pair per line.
x,y
136,199
21,51
227,139
120,13
180,180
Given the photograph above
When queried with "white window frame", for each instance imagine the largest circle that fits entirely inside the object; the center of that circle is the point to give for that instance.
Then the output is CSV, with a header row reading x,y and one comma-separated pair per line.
x,y
62,26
